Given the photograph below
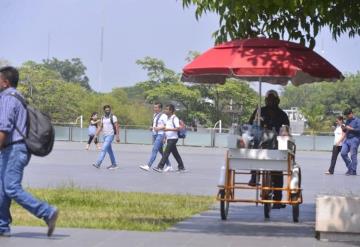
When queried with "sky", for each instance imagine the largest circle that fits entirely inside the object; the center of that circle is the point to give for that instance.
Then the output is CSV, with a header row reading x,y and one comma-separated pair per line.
x,y
133,29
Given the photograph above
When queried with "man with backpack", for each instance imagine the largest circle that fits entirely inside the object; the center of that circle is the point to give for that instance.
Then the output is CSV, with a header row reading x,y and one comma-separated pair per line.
x,y
15,155
110,127
158,122
171,131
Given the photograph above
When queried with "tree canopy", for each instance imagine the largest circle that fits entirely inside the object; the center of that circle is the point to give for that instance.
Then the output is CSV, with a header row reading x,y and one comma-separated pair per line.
x,y
46,89
299,20
70,70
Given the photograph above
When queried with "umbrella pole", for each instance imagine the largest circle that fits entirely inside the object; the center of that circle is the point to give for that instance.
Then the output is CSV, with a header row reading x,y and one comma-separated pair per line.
x,y
259,108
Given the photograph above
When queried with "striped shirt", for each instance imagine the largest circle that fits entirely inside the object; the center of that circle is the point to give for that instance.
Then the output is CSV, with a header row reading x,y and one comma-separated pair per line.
x,y
12,113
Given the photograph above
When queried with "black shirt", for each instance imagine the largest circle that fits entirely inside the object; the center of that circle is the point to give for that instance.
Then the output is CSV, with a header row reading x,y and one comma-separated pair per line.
x,y
271,118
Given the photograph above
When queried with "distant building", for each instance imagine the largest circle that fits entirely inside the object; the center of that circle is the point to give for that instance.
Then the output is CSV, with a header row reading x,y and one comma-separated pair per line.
x,y
297,121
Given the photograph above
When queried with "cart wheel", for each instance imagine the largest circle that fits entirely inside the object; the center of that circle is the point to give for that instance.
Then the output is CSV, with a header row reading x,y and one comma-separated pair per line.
x,y
224,206
295,208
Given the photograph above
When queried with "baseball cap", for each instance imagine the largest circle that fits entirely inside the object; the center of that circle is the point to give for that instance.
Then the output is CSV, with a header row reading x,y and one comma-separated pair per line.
x,y
347,111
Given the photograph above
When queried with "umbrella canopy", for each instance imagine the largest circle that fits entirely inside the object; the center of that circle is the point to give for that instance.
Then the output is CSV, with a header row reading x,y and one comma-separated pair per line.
x,y
260,59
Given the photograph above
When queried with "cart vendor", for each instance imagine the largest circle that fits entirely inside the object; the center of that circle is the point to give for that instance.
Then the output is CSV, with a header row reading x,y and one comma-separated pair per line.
x,y
272,117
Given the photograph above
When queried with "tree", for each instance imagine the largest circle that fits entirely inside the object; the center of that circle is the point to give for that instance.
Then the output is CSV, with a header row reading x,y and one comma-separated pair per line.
x,y
70,70
293,19
321,102
157,72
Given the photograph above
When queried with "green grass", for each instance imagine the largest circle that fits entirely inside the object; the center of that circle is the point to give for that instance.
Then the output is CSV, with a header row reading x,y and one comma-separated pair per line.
x,y
102,209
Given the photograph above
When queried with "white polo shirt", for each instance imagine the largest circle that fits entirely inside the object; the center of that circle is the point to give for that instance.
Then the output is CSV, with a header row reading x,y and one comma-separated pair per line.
x,y
172,122
107,126
161,120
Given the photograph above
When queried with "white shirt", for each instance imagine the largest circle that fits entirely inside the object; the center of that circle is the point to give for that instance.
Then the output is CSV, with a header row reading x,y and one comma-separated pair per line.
x,y
338,132
160,123
108,128
170,124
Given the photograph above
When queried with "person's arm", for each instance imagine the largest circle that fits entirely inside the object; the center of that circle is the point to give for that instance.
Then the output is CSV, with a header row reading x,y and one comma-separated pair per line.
x,y
161,123
3,137
117,134
356,126
342,138
98,129
252,118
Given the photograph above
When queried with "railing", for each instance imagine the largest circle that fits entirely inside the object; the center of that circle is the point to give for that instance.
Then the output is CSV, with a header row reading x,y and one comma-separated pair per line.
x,y
201,138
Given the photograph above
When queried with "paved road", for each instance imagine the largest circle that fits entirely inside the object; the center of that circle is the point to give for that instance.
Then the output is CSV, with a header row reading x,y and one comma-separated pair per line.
x,y
69,163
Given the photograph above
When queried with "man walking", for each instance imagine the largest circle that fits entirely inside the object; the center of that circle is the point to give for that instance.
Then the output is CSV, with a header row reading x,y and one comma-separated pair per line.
x,y
171,131
14,157
352,141
110,127
158,124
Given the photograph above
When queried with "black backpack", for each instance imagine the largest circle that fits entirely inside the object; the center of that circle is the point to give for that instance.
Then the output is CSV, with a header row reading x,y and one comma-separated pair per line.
x,y
40,134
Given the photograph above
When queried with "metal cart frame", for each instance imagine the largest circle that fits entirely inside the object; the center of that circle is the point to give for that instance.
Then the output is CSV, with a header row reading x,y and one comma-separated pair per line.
x,y
264,162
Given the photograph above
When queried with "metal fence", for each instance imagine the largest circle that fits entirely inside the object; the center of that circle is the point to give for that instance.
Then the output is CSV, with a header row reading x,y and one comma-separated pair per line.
x,y
201,138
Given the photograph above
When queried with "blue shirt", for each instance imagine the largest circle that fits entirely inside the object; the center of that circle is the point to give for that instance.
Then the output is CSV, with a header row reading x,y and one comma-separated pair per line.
x,y
12,113
354,123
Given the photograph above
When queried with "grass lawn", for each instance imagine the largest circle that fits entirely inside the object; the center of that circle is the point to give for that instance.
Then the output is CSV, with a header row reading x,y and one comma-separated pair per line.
x,y
80,208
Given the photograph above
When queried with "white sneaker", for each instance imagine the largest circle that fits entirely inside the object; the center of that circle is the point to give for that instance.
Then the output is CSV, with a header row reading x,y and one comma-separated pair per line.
x,y
145,167
167,168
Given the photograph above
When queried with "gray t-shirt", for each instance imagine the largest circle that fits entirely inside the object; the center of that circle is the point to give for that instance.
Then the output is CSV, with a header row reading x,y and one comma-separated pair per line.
x,y
108,128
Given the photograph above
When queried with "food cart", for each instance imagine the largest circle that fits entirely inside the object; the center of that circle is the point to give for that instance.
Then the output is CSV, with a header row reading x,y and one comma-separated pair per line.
x,y
241,161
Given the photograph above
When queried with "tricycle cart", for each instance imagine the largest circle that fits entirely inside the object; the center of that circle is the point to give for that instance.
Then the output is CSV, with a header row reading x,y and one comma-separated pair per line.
x,y
241,161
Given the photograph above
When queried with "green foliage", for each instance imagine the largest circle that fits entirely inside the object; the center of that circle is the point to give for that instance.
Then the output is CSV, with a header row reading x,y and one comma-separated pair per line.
x,y
322,102
70,70
205,104
157,72
47,90
292,19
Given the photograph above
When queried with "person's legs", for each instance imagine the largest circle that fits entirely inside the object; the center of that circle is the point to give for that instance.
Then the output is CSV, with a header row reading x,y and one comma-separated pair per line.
x,y
353,154
18,158
345,148
104,149
161,151
278,182
169,146
91,137
157,147
335,152
110,151
5,201
177,156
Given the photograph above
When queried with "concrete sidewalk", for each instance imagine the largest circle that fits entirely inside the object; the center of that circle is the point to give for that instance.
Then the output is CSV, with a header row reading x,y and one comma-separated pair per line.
x,y
246,226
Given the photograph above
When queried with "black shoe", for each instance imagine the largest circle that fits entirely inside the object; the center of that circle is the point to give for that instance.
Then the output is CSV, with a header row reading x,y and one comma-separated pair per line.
x,y
157,169
252,182
278,206
51,222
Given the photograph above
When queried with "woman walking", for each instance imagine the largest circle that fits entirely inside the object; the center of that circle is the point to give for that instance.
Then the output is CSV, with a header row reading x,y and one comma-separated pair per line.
x,y
339,136
93,125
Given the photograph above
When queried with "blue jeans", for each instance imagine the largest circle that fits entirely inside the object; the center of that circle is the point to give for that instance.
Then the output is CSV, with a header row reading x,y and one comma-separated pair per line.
x,y
350,145
13,160
106,148
158,141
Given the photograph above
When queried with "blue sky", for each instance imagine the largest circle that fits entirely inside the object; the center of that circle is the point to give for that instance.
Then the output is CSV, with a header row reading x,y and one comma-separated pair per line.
x,y
133,29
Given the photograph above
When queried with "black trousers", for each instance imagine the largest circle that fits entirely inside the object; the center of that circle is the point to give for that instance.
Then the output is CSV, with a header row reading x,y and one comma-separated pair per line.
x,y
91,138
171,148
277,180
335,152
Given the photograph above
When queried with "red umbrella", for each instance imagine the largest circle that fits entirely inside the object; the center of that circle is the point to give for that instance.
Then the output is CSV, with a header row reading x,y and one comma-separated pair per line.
x,y
260,59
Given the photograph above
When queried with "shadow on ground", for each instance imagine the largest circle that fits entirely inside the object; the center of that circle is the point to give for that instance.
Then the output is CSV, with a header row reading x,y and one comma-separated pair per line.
x,y
248,220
